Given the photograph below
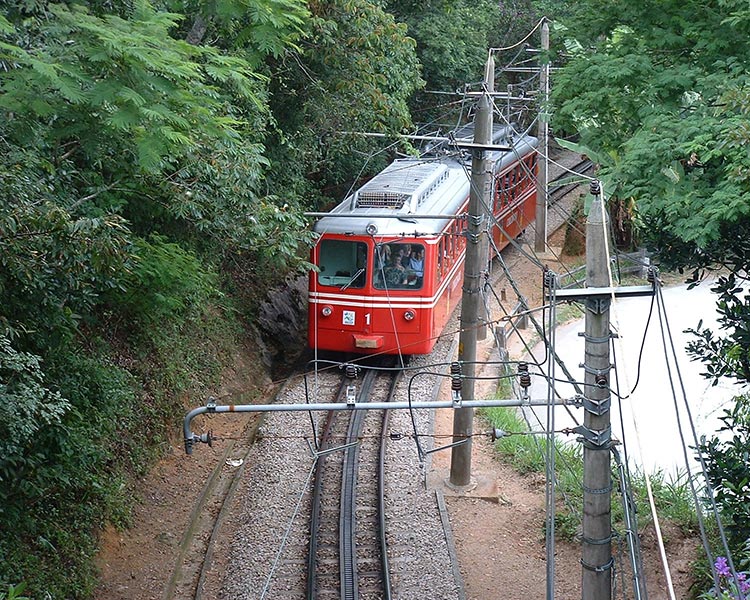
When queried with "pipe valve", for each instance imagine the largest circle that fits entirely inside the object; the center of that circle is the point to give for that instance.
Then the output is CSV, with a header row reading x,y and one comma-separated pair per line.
x,y
194,438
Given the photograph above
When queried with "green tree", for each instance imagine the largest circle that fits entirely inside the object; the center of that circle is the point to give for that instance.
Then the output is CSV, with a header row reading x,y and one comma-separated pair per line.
x,y
453,39
658,91
355,74
132,163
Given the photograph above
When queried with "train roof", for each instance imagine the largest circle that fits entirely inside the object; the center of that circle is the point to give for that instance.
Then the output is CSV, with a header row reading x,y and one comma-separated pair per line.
x,y
435,184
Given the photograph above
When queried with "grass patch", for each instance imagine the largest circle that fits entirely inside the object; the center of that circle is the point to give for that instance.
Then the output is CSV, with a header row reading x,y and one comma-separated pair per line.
x,y
526,454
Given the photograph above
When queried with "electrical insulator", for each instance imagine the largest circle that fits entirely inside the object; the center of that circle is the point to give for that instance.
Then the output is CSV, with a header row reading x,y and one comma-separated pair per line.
x,y
456,381
497,434
594,188
350,371
524,378
549,278
652,275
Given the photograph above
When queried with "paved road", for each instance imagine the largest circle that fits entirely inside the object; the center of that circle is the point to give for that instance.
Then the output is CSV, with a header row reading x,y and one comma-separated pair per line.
x,y
649,416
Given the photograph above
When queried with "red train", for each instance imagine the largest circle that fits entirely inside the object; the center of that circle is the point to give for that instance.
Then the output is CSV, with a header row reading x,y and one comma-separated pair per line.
x,y
390,256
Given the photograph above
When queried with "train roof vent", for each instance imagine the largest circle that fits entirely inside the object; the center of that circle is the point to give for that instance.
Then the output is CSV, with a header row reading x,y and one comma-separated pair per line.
x,y
402,181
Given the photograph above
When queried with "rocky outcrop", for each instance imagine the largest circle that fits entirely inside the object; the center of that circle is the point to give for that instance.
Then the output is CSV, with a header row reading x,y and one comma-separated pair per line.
x,y
282,325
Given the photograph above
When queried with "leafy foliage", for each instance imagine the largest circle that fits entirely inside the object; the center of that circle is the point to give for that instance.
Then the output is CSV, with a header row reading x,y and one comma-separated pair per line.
x,y
356,73
727,356
164,281
53,265
728,471
262,28
14,592
114,130
453,38
128,119
659,94
28,411
127,78
658,91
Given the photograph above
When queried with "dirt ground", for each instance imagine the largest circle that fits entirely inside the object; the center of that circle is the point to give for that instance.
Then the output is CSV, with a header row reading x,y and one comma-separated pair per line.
x,y
500,544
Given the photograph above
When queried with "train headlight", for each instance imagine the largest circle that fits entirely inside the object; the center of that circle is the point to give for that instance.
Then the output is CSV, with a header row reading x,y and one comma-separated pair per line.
x,y
371,229
409,315
326,311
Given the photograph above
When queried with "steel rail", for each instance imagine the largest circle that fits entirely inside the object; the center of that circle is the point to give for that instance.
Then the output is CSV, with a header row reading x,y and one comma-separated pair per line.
x,y
580,167
347,516
317,494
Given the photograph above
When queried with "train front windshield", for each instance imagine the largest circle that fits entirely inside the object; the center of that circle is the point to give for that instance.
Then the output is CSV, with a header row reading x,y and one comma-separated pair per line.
x,y
344,264
398,266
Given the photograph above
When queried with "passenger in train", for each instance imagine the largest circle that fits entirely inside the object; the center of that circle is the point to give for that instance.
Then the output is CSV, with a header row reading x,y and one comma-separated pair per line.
x,y
416,260
405,253
382,256
395,272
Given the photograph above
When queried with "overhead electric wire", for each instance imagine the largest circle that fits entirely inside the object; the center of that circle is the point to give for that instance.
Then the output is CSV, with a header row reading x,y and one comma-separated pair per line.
x,y
529,351
285,537
522,40
649,489
538,328
639,582
704,539
534,176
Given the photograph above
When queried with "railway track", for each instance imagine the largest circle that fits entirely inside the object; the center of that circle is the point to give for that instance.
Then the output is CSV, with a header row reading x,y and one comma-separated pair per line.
x,y
344,511
559,190
348,503
195,552
192,577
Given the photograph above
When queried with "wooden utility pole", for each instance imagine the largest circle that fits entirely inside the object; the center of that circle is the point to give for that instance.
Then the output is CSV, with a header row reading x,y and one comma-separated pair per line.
x,y
597,433
476,240
540,239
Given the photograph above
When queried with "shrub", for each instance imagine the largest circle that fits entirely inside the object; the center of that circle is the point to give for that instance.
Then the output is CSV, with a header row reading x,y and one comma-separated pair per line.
x,y
165,280
728,471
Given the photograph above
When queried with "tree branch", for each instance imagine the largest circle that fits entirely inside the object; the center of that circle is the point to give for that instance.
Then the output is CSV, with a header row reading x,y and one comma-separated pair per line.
x,y
197,31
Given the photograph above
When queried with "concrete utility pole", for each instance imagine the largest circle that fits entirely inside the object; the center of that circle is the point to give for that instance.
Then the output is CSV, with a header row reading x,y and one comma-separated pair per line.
x,y
596,558
488,196
476,240
542,128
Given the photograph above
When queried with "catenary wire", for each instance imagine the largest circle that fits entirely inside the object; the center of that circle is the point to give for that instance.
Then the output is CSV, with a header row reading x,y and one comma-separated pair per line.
x,y
649,489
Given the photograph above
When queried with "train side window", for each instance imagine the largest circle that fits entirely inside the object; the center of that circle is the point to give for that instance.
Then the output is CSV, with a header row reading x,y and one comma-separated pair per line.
x,y
441,258
498,202
342,263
